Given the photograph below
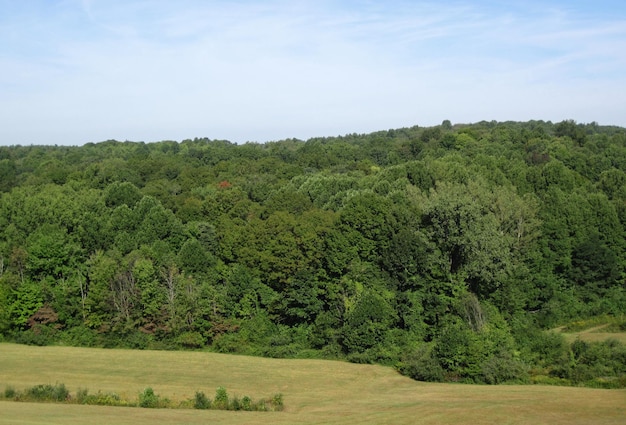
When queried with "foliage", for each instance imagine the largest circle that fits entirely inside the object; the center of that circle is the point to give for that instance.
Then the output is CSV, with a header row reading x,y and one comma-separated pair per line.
x,y
43,392
420,364
201,401
147,398
221,399
100,398
424,248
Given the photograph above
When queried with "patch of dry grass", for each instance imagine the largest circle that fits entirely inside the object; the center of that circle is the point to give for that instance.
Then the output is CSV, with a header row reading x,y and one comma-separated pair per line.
x,y
315,391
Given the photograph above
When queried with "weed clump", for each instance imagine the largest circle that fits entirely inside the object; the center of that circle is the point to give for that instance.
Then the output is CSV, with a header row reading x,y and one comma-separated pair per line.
x,y
9,393
149,399
201,401
223,401
101,399
55,393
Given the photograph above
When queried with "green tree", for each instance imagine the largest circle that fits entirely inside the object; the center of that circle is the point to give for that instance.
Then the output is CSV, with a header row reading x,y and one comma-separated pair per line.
x,y
194,258
121,193
26,299
98,297
51,252
368,321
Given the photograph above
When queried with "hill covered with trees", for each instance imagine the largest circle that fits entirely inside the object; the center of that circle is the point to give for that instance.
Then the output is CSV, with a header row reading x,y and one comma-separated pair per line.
x,y
444,251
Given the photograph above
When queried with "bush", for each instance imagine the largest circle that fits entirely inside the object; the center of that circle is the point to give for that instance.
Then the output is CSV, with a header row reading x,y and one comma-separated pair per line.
x,y
230,343
276,402
201,401
246,403
100,399
235,404
546,348
82,395
80,336
503,368
10,393
221,399
56,392
39,335
190,340
150,400
361,358
421,365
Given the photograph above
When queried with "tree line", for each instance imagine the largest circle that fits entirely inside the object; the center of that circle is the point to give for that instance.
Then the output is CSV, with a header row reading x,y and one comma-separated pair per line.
x,y
445,251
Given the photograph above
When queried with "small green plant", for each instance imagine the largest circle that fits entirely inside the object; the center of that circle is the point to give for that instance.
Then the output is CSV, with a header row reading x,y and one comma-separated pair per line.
x,y
221,399
246,403
82,396
276,402
100,399
47,392
201,401
235,404
10,393
149,399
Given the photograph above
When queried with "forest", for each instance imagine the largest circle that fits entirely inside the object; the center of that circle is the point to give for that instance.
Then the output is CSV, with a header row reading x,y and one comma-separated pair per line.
x,y
447,252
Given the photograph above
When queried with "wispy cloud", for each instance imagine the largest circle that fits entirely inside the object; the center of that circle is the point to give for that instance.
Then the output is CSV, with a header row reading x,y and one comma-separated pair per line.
x,y
89,70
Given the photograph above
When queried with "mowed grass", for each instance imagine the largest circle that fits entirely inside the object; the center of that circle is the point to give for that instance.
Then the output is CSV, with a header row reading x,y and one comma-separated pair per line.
x,y
593,334
315,391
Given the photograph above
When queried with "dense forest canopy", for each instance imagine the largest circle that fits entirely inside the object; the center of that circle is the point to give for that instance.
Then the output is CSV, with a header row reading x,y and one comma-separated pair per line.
x,y
445,251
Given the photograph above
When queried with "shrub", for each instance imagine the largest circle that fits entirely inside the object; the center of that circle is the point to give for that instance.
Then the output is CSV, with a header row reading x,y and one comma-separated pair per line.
x,y
40,335
80,336
235,404
201,401
47,392
545,348
82,396
150,400
246,403
421,365
190,340
503,368
100,399
365,357
221,399
10,393
276,402
230,343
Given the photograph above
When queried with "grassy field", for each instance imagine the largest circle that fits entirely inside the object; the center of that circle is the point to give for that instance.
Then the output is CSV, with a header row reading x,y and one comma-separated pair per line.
x,y
595,332
315,391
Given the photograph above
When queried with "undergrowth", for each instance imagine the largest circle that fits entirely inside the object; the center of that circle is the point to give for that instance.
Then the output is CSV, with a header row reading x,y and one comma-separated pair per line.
x,y
611,324
58,393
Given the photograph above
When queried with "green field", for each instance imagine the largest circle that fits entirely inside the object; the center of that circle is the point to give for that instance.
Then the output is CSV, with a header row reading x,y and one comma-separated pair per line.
x,y
594,333
315,391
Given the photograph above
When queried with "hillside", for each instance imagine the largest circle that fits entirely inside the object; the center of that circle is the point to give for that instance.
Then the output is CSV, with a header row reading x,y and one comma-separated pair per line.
x,y
315,391
443,251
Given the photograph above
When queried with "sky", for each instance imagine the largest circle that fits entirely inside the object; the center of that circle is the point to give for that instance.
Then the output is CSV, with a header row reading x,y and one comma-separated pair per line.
x,y
80,71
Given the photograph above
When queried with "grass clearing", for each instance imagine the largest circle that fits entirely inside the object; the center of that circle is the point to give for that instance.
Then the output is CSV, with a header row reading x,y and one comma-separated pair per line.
x,y
315,391
594,336
595,329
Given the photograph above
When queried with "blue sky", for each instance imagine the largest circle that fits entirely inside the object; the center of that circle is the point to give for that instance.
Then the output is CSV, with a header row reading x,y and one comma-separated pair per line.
x,y
78,71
